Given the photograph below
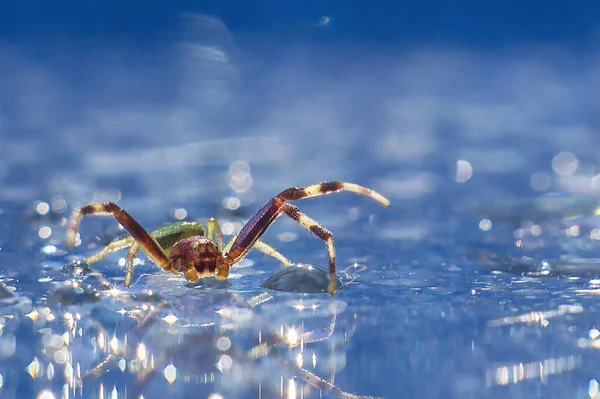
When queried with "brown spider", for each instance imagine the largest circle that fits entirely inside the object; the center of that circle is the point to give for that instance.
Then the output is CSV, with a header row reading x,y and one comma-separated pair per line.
x,y
182,247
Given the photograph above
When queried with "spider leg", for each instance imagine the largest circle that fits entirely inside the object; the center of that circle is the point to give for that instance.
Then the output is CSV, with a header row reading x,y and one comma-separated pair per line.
x,y
269,250
315,190
229,244
214,231
166,236
264,248
139,234
111,247
266,215
314,227
133,251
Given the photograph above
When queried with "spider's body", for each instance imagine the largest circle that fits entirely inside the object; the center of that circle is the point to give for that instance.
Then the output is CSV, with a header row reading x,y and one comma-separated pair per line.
x,y
183,247
197,256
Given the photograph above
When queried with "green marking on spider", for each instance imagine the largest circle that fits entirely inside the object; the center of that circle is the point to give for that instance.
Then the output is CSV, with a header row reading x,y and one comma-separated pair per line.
x,y
166,236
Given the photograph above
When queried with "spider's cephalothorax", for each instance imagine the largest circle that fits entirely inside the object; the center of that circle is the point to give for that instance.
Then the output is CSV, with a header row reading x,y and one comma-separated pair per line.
x,y
182,247
197,257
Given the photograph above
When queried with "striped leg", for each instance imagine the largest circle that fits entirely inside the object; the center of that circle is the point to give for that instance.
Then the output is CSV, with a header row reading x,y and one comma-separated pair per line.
x,y
139,234
266,215
296,193
314,227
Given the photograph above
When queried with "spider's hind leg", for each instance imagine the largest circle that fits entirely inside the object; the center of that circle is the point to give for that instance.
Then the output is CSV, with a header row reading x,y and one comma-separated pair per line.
x,y
315,190
256,226
265,216
314,227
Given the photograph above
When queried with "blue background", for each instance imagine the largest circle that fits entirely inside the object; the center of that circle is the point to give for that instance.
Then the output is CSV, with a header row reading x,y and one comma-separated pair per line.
x,y
464,23
478,119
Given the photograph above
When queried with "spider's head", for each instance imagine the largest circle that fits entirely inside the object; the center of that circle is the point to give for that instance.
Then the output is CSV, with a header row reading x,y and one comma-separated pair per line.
x,y
197,254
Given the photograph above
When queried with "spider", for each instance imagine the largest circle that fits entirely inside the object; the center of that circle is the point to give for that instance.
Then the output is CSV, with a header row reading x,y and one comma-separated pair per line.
x,y
183,247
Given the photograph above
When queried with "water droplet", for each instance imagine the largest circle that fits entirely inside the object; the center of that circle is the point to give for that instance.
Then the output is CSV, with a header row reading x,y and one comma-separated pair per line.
x,y
300,278
76,268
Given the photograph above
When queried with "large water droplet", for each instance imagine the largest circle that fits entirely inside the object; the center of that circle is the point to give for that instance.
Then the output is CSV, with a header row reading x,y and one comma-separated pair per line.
x,y
301,278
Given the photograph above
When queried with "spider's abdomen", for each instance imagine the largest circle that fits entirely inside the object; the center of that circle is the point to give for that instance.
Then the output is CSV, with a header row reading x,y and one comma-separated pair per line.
x,y
197,252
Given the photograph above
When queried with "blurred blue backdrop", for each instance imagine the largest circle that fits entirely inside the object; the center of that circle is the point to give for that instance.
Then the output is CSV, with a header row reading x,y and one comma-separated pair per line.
x,y
479,120
463,22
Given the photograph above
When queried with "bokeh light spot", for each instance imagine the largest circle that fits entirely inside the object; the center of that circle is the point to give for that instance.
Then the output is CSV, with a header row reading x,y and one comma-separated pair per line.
x,y
42,207
464,171
231,203
564,163
540,181
225,362
180,213
45,394
45,232
324,20
485,224
170,319
223,344
170,373
593,388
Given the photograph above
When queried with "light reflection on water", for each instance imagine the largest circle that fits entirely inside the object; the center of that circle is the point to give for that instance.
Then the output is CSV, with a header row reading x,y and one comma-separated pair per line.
x,y
79,350
454,139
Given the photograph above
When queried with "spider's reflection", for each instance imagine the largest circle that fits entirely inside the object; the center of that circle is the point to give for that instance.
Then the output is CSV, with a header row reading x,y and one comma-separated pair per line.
x,y
245,346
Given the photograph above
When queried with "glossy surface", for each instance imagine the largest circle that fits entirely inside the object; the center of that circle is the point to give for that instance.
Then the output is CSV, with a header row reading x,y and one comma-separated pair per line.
x,y
480,279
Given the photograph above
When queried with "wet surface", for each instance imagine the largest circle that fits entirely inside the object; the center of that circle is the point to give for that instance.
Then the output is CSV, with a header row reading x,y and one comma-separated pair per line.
x,y
480,279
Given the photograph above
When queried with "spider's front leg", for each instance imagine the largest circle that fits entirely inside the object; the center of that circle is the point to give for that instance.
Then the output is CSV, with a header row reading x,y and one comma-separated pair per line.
x,y
258,224
142,238
165,236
